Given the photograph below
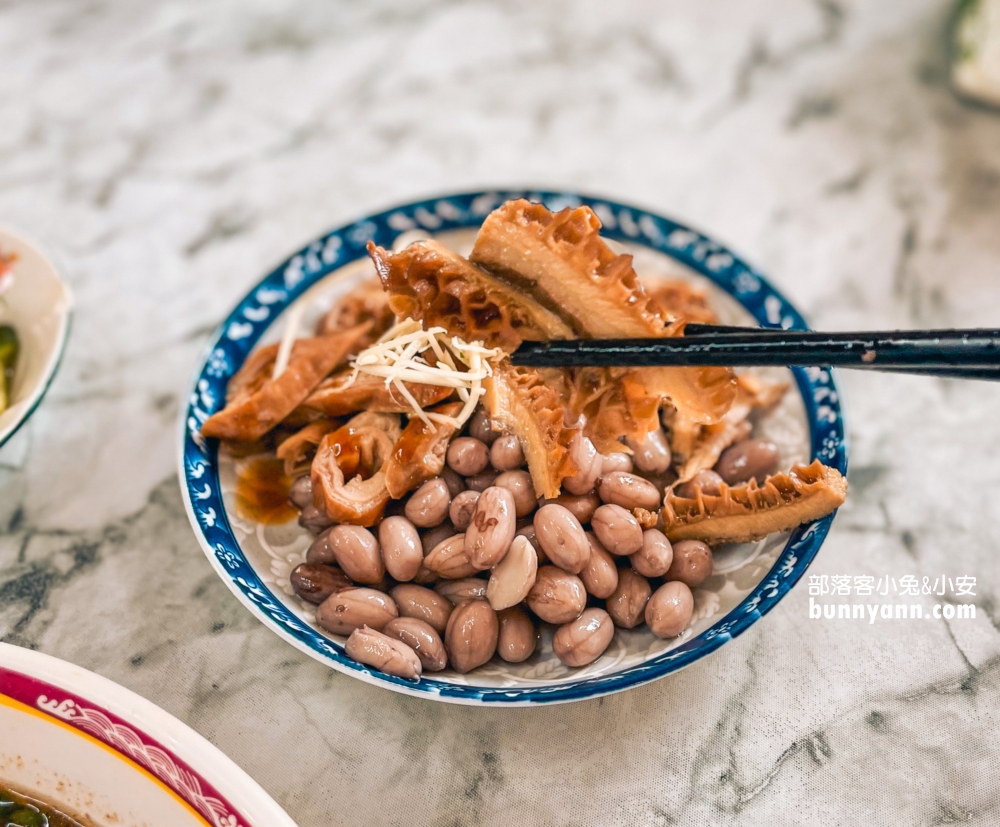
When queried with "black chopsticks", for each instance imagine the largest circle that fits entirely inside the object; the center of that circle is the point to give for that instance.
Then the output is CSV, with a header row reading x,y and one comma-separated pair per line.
x,y
966,354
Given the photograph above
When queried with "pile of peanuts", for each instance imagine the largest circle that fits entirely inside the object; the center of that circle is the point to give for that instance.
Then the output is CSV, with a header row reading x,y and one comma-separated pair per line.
x,y
475,560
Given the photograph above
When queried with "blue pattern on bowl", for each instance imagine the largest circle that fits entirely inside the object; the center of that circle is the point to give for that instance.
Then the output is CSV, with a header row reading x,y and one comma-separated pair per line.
x,y
240,332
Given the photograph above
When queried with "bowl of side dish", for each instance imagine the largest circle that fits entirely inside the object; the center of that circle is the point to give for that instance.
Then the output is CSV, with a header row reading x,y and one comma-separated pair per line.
x,y
35,308
376,482
81,751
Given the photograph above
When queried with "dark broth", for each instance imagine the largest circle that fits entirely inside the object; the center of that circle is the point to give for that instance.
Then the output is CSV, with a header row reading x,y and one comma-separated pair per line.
x,y
18,810
262,491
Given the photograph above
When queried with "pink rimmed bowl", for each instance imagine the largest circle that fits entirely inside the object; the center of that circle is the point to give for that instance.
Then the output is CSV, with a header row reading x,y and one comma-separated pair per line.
x,y
111,758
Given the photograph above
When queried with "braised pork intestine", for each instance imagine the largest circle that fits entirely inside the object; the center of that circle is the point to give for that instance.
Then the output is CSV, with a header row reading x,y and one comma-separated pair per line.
x,y
298,450
348,471
418,454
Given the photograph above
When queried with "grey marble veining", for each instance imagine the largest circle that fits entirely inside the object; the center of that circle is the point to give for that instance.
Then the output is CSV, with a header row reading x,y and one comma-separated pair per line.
x,y
170,152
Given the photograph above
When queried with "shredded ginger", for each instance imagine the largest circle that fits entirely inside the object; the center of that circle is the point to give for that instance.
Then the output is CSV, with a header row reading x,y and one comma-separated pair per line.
x,y
397,357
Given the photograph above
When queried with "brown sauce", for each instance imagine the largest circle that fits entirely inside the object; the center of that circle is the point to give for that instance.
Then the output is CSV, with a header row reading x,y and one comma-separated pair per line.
x,y
262,491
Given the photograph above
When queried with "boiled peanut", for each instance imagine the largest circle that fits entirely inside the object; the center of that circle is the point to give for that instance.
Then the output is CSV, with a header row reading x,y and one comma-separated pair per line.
x,y
471,636
301,492
314,519
421,637
746,460
655,556
513,577
629,491
468,456
422,603
344,611
628,603
449,560
357,553
583,640
491,531
433,537
651,453
384,653
521,488
518,636
402,551
669,610
562,537
315,582
480,427
618,531
692,563
462,508
589,465
557,596
458,591
581,506
456,485
709,482
319,550
506,453
428,505
482,480
600,575
617,461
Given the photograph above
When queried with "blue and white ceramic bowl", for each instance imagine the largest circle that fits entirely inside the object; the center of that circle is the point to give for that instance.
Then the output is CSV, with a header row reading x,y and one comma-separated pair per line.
x,y
255,560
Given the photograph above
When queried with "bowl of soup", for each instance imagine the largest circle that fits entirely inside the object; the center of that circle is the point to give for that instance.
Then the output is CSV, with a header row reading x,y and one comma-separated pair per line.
x,y
78,750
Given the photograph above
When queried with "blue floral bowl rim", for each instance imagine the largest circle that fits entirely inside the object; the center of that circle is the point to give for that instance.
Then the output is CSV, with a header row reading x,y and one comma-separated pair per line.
x,y
237,335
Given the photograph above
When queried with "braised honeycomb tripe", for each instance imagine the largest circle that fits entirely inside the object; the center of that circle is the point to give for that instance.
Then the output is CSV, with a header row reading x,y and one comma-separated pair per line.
x,y
743,513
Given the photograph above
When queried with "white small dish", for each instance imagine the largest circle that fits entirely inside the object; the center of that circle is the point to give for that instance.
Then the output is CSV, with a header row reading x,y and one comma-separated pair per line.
x,y
101,753
38,307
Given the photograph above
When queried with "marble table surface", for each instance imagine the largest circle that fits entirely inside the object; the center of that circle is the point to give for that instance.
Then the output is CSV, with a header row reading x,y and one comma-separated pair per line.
x,y
169,152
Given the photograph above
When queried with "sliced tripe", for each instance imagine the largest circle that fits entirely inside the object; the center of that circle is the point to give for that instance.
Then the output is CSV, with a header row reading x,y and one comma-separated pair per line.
x,y
428,282
623,402
261,403
562,257
365,302
561,260
528,403
679,299
611,406
750,512
683,432
419,453
339,396
710,441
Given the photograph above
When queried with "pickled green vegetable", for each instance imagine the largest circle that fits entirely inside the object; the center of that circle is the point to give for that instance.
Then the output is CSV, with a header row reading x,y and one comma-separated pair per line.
x,y
22,811
9,348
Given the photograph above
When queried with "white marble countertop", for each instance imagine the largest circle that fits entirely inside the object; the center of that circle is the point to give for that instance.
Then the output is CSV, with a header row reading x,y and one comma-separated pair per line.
x,y
170,152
